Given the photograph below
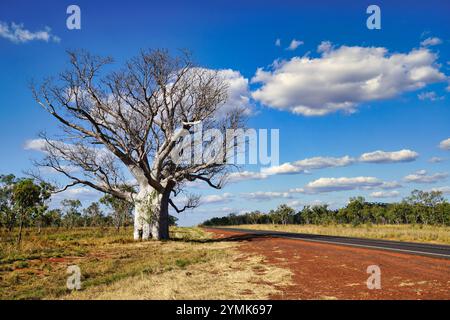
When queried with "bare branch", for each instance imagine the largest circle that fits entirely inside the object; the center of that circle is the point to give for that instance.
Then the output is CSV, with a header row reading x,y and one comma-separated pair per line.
x,y
192,202
127,121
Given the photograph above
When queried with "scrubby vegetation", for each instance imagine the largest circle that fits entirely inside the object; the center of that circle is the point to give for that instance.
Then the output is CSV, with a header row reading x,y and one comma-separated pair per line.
x,y
421,217
25,203
426,208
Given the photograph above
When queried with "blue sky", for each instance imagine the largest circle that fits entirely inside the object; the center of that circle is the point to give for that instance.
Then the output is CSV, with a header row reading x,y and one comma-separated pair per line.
x,y
406,115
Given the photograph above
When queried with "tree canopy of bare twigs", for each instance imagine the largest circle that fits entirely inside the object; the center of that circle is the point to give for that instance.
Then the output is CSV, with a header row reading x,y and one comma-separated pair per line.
x,y
122,128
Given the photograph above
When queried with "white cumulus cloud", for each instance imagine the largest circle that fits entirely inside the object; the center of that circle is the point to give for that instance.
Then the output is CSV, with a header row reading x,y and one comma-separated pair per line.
x,y
294,44
216,198
324,162
302,166
390,185
339,184
445,144
422,176
266,195
431,41
342,78
76,193
429,95
379,156
436,160
239,95
285,168
385,194
245,175
324,46
35,145
18,34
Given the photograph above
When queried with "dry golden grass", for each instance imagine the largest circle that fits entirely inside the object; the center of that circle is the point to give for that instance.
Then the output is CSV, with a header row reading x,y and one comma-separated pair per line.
x,y
113,266
414,233
226,276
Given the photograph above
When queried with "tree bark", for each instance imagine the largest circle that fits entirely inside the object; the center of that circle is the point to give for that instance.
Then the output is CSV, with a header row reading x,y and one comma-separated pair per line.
x,y
163,221
141,211
151,217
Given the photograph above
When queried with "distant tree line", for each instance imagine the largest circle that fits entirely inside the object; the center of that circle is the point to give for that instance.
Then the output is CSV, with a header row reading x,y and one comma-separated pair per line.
x,y
24,203
419,208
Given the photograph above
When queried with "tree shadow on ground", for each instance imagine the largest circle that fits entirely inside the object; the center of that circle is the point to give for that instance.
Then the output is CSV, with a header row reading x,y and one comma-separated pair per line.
x,y
234,238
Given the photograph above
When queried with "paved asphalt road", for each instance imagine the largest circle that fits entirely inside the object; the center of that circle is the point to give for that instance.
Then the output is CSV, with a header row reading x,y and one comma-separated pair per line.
x,y
433,250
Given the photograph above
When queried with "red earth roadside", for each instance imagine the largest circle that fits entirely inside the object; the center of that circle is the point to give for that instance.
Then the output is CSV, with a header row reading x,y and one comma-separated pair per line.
x,y
325,271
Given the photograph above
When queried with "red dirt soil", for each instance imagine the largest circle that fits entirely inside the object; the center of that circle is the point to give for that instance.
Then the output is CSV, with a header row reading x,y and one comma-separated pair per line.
x,y
325,271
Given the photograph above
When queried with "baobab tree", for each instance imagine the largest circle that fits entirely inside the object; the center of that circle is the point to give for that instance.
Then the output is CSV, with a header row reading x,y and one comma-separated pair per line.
x,y
128,128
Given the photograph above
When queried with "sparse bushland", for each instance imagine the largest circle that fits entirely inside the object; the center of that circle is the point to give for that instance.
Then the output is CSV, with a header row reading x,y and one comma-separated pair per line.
x,y
421,217
424,208
114,266
24,203
414,233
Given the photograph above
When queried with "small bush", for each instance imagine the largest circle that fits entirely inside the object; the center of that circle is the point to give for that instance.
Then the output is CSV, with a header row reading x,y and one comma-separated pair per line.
x,y
182,263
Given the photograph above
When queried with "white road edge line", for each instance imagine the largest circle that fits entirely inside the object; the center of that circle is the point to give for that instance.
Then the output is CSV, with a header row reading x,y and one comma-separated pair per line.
x,y
423,253
368,246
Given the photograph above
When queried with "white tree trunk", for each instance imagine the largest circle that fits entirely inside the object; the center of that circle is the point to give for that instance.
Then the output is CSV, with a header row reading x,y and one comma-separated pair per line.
x,y
145,213
151,216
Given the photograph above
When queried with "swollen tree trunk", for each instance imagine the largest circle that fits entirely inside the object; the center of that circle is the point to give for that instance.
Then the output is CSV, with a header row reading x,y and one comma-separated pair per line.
x,y
141,212
163,221
151,217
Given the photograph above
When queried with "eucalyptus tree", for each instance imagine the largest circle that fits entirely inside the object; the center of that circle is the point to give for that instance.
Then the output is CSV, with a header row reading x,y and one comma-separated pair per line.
x,y
128,127
8,215
93,215
28,198
72,213
121,210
